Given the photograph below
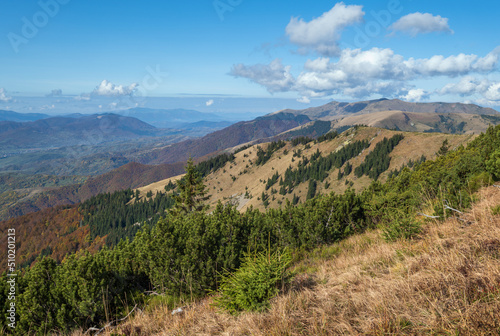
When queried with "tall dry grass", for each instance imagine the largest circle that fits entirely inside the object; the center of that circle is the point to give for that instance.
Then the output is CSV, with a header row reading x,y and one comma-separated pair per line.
x,y
445,283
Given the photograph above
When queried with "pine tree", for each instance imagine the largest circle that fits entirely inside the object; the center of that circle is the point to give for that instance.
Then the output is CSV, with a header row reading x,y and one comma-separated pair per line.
x,y
192,192
445,147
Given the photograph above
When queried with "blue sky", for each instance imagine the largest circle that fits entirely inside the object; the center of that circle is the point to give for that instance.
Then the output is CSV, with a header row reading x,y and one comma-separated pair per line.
x,y
99,55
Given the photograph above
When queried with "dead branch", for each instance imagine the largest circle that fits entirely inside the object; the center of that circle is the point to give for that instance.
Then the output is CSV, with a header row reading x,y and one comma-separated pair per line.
x,y
109,324
428,216
450,208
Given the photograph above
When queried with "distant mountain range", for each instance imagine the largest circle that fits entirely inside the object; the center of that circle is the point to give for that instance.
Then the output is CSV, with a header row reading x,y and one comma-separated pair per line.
x,y
171,118
33,130
21,117
336,110
66,131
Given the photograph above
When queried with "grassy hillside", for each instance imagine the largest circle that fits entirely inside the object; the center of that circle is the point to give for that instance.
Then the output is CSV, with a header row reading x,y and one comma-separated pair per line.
x,y
242,182
455,123
447,282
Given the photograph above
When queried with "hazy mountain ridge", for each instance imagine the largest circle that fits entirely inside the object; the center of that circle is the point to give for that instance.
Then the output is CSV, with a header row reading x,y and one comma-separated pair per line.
x,y
234,135
64,131
169,118
21,117
335,110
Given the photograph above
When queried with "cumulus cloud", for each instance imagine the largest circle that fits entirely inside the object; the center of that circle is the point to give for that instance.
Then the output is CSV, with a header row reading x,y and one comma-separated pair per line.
x,y
485,90
319,64
421,23
106,88
54,93
361,73
322,34
454,65
415,95
493,92
275,76
4,97
304,100
467,86
209,102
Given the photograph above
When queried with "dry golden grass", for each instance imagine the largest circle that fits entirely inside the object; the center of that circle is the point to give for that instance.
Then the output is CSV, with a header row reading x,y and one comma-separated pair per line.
x,y
241,176
445,283
413,121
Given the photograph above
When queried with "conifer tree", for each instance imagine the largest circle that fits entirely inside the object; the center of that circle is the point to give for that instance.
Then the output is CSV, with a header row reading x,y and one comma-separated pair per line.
x,y
445,147
192,192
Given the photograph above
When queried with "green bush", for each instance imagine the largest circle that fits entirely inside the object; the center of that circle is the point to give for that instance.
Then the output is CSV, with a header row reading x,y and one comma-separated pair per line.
x,y
258,280
493,164
495,210
403,225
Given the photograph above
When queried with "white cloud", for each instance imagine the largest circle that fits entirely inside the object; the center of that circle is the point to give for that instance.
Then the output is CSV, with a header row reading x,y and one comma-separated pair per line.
x,y
106,88
493,92
454,65
421,23
358,73
319,64
209,102
304,99
83,96
415,95
47,107
467,86
3,96
470,86
373,63
275,77
322,34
